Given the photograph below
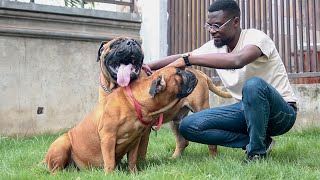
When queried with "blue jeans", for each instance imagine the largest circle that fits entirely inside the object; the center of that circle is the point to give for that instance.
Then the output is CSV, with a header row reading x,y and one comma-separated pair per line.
x,y
262,113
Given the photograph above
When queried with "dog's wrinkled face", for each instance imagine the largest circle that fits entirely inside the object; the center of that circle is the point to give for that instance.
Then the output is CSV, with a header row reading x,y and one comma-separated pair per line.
x,y
168,86
182,82
121,59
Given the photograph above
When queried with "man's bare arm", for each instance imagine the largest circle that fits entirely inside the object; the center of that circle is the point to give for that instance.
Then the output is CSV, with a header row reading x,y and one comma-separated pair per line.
x,y
163,61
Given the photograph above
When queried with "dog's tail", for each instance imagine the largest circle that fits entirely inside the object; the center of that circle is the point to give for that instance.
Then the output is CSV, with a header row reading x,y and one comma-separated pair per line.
x,y
217,90
58,154
213,88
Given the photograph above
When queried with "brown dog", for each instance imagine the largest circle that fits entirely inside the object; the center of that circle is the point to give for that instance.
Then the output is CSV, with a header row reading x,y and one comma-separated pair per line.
x,y
198,100
113,128
128,52
120,62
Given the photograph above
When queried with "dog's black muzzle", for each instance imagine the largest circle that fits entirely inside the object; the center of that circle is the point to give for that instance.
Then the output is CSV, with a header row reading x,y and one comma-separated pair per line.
x,y
189,82
126,52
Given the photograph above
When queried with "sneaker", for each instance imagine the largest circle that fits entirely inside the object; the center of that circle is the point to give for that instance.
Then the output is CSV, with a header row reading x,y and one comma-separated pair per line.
x,y
270,145
254,158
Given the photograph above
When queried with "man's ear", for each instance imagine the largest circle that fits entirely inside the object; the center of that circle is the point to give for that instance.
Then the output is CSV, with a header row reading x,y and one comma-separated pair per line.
x,y
100,49
237,21
157,85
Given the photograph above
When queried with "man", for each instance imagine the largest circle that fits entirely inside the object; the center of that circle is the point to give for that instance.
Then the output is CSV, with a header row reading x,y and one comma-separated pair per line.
x,y
251,69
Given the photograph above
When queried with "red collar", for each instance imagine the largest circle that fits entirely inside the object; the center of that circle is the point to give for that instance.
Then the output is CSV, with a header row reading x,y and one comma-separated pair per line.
x,y
157,122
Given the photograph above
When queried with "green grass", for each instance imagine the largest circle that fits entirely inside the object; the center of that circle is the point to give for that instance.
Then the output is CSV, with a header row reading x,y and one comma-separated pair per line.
x,y
295,156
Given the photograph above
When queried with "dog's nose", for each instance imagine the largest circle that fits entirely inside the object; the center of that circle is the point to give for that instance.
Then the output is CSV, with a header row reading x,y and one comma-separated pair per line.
x,y
131,42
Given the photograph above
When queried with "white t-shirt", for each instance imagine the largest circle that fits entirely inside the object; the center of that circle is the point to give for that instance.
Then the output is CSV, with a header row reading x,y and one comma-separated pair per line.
x,y
268,67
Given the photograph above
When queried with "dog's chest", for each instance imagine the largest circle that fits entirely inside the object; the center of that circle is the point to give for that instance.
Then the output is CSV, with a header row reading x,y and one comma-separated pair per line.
x,y
130,133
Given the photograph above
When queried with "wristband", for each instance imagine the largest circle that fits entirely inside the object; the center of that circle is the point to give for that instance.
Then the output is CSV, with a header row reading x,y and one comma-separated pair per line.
x,y
185,57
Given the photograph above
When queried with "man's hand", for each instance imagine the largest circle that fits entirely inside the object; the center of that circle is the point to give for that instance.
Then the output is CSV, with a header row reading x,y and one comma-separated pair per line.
x,y
179,63
146,69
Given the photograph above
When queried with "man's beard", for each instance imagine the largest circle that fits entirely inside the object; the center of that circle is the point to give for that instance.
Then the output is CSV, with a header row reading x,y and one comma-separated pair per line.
x,y
222,43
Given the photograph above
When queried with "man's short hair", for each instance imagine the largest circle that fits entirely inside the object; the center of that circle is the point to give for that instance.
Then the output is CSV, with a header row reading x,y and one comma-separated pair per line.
x,y
229,6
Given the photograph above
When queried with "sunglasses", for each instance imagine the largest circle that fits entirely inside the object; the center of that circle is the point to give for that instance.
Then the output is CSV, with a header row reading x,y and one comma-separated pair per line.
x,y
216,27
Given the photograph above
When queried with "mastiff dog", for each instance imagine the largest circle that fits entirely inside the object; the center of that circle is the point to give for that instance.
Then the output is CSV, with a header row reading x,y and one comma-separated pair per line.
x,y
121,61
114,129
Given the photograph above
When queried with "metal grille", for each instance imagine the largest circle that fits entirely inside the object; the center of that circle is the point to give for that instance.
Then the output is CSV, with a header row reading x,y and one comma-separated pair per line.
x,y
294,26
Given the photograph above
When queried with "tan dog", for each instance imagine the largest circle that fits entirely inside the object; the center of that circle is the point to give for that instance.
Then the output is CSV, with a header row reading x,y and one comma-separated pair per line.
x,y
113,128
120,62
132,55
198,100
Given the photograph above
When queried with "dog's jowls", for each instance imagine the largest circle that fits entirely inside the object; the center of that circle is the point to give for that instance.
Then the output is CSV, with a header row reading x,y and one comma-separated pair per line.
x,y
120,61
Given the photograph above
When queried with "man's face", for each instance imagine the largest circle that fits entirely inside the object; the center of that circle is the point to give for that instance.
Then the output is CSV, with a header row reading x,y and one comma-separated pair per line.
x,y
221,27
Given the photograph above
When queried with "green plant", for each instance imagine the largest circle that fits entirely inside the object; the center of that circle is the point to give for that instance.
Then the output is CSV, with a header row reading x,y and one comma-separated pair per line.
x,y
78,3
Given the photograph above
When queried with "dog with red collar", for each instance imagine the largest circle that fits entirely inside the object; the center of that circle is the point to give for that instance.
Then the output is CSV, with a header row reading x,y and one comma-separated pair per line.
x,y
114,128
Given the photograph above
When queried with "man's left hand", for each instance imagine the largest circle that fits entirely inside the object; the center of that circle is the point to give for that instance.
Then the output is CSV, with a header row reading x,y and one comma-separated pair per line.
x,y
179,63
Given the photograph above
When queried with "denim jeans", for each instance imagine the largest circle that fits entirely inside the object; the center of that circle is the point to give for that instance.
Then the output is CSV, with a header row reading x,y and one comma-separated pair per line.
x,y
262,113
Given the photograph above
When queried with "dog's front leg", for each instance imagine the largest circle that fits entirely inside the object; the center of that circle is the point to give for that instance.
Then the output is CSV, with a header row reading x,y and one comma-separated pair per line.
x,y
181,142
143,145
108,144
132,157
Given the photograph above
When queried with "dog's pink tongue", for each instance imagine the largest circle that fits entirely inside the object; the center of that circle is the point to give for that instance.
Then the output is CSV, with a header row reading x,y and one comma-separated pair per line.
x,y
123,76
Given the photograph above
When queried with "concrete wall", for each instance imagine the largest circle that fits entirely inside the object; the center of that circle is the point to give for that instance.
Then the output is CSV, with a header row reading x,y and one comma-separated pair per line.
x,y
309,105
48,59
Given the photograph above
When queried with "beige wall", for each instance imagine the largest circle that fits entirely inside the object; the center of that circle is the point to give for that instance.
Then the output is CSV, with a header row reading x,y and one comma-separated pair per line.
x,y
48,59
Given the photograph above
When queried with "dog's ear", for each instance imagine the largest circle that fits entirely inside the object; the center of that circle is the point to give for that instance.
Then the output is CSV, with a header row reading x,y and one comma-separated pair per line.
x,y
157,85
100,49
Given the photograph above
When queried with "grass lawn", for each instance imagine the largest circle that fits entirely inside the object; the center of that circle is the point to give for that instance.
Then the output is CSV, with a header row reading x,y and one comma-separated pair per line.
x,y
295,156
